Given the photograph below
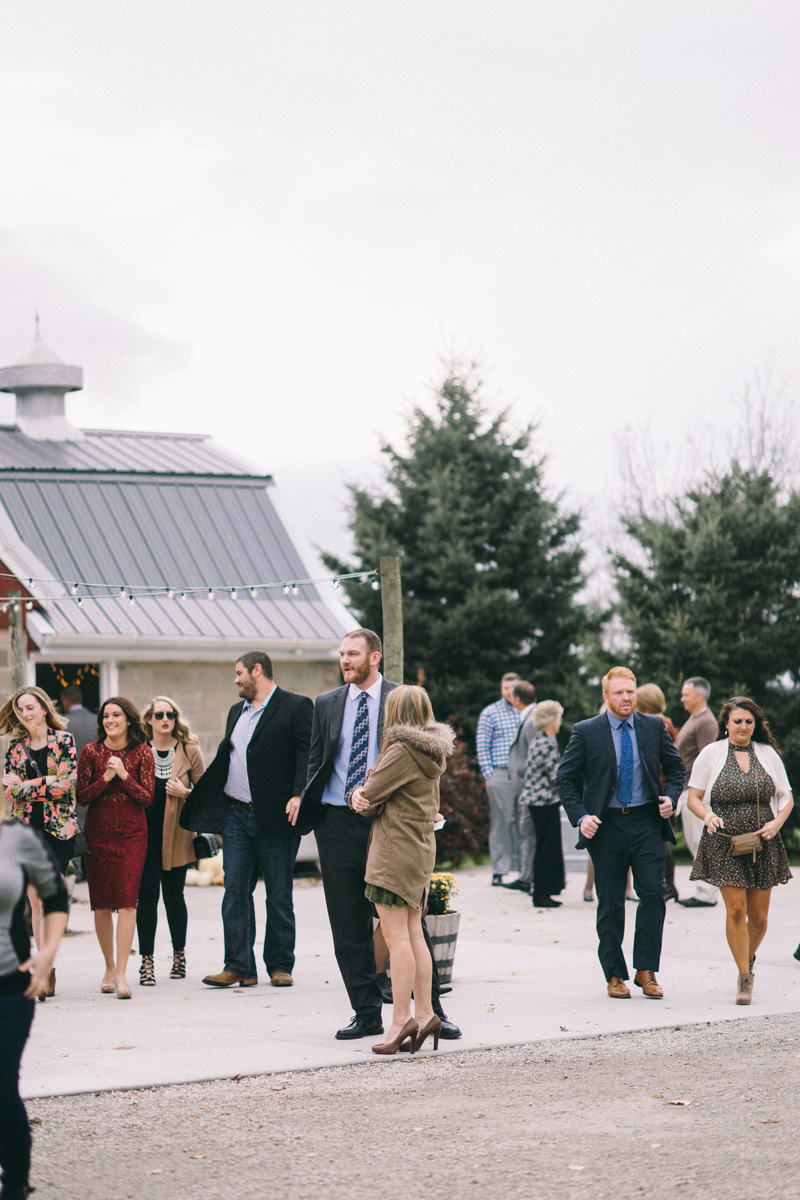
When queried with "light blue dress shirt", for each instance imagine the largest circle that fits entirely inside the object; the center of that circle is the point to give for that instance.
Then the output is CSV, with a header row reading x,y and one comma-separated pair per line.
x,y
334,788
238,785
638,788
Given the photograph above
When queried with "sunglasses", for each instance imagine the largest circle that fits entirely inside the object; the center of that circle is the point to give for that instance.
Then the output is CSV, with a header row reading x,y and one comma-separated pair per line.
x,y
159,716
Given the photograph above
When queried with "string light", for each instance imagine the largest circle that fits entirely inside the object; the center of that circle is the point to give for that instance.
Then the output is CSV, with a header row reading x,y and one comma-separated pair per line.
x,y
132,599
74,588
170,594
234,593
183,596
80,601
29,605
123,592
253,593
295,590
376,585
211,593
286,589
335,583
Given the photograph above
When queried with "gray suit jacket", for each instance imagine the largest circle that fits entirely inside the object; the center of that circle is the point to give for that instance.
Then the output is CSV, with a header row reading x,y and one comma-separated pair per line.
x,y
83,726
325,732
518,754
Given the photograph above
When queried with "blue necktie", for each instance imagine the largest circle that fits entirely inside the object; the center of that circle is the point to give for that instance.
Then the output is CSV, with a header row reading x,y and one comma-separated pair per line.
x,y
625,783
357,766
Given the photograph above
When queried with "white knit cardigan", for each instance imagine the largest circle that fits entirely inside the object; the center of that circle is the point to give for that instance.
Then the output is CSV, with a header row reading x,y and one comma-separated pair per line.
x,y
711,760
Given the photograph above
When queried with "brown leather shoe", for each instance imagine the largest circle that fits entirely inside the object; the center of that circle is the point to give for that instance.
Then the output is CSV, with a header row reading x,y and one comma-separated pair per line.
x,y
281,979
224,979
646,980
617,989
249,982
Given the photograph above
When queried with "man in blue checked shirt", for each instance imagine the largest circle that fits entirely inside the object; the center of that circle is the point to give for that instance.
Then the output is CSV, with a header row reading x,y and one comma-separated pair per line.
x,y
497,729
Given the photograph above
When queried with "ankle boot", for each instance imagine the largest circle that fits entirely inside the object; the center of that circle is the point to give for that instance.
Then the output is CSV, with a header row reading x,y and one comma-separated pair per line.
x,y
744,988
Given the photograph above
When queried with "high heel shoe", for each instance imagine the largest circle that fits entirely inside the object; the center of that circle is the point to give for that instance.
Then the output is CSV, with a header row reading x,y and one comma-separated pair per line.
x,y
178,965
50,990
430,1027
409,1030
147,972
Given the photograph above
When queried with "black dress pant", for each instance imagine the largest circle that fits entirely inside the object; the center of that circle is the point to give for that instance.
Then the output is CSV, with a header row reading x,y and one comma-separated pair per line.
x,y
16,1014
631,839
548,857
342,839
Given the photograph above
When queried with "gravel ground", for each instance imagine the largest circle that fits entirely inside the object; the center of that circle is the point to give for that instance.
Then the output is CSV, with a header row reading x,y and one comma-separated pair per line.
x,y
698,1111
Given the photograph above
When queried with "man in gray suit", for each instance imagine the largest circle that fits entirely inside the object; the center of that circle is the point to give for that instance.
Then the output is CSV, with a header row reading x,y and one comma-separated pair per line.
x,y
345,740
523,700
81,724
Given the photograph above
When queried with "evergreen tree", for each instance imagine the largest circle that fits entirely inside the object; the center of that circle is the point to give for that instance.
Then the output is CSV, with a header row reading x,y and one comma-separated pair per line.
x,y
490,565
713,589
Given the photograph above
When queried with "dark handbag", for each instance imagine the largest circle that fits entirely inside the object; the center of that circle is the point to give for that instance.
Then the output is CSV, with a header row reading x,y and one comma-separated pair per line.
x,y
742,845
205,846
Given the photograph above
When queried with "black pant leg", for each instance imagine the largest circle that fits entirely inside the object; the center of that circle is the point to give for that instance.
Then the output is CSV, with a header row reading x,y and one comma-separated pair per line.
x,y
147,908
172,885
16,1014
610,853
647,861
548,857
435,1001
342,838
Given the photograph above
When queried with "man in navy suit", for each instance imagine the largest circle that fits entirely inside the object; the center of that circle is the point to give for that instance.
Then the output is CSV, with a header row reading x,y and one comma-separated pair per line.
x,y
609,782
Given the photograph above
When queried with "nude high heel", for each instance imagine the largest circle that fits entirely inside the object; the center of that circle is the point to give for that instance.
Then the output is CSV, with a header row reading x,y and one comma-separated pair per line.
x,y
409,1031
430,1027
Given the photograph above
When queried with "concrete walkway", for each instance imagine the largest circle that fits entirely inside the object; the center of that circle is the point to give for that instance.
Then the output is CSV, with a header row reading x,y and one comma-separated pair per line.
x,y
521,975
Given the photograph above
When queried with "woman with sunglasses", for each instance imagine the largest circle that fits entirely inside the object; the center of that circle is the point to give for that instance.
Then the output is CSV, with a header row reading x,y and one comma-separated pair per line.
x,y
178,766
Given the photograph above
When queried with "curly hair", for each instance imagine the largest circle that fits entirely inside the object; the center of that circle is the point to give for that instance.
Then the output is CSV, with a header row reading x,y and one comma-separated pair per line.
x,y
182,732
762,731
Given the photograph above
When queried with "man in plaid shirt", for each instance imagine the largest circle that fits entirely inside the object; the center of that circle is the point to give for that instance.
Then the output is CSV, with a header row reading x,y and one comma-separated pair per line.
x,y
497,729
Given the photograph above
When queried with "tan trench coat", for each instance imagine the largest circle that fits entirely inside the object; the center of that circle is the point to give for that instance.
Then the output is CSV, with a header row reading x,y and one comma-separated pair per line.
x,y
403,793
177,846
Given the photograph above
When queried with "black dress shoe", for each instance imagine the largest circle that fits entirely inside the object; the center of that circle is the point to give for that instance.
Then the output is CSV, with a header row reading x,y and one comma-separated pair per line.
x,y
519,885
795,955
693,902
361,1026
449,1031
497,881
546,902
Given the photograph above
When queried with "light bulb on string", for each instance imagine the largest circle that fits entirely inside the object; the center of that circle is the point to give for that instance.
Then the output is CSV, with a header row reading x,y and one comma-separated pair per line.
x,y
80,601
74,588
211,593
29,605
234,594
295,590
286,589
335,583
123,592
170,594
253,593
376,585
183,596
132,599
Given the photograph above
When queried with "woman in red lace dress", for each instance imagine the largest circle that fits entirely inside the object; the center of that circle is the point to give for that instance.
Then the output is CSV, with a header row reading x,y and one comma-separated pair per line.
x,y
116,778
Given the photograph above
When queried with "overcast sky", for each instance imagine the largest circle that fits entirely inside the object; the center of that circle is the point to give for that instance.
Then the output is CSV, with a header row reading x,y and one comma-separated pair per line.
x,y
268,221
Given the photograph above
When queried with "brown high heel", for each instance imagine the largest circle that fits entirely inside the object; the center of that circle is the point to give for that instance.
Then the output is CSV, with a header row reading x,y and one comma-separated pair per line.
x,y
409,1031
431,1027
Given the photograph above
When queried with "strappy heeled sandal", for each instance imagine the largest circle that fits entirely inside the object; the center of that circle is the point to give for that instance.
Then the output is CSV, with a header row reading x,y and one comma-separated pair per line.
x,y
178,965
147,975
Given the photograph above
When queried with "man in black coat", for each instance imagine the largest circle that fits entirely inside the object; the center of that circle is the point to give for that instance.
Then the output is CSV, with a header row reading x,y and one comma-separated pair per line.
x,y
609,782
342,835
246,795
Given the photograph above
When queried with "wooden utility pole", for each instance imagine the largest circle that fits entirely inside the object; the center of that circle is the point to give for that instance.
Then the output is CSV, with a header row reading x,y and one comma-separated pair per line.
x,y
17,640
392,599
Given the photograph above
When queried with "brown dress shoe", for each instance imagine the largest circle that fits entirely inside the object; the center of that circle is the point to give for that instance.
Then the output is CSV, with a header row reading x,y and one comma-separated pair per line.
x,y
617,989
281,979
646,980
224,979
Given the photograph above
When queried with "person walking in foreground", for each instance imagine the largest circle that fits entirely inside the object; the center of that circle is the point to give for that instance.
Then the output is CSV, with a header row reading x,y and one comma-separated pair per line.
x,y
609,784
39,777
178,766
746,791
248,795
403,795
694,735
24,860
497,728
116,779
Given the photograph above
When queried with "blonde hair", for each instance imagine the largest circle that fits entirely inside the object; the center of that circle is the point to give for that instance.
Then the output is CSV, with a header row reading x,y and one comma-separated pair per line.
x,y
650,699
617,673
408,705
182,732
11,720
546,712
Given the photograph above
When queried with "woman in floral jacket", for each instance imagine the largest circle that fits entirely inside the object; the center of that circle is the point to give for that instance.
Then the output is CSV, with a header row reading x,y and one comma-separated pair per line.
x,y
539,792
39,779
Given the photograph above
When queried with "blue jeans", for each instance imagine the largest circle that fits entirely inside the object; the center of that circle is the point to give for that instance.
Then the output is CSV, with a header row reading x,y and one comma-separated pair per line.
x,y
246,849
16,1014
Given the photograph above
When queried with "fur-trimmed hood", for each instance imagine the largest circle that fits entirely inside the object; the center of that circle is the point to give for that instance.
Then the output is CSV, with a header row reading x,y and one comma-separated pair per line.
x,y
431,746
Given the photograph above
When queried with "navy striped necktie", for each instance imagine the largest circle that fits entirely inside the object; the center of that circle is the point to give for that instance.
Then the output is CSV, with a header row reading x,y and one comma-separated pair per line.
x,y
357,766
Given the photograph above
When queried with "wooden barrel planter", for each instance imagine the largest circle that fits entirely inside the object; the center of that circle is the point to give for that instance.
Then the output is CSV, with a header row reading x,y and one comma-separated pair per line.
x,y
443,929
